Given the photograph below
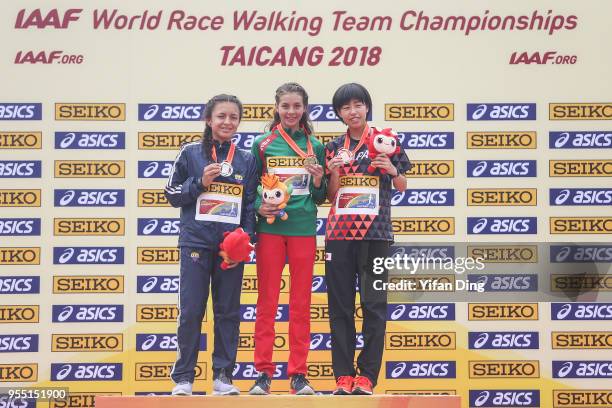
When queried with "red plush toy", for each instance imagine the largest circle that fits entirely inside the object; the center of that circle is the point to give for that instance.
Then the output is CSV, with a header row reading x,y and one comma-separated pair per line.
x,y
236,247
382,141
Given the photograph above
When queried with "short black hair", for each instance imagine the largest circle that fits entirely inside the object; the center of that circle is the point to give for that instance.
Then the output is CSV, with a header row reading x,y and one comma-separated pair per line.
x,y
348,92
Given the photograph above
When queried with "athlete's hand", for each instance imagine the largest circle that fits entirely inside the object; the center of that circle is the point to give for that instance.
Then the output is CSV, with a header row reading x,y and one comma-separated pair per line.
x,y
334,165
382,161
268,210
210,173
316,171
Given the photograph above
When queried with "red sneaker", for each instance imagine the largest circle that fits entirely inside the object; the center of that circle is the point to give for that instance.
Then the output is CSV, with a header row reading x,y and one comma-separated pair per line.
x,y
362,386
344,385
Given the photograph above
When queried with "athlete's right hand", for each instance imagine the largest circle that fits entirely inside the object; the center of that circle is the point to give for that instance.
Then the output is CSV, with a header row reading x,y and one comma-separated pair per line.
x,y
268,210
210,173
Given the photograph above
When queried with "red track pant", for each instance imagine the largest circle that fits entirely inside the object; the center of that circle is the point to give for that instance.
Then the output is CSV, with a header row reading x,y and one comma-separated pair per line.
x,y
271,251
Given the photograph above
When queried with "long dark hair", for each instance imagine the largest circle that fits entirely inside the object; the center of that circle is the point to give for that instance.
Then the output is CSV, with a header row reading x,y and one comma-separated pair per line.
x,y
292,87
207,141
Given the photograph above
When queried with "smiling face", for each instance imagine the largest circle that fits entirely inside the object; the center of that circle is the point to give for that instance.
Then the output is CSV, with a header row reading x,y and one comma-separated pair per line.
x,y
275,196
290,108
354,114
384,144
224,121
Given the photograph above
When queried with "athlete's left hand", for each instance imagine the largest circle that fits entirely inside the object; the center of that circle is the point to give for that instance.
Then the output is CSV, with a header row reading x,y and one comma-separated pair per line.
x,y
316,171
382,161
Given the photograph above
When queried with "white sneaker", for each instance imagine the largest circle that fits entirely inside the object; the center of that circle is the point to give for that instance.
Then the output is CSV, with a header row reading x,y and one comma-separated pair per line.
x,y
182,388
222,385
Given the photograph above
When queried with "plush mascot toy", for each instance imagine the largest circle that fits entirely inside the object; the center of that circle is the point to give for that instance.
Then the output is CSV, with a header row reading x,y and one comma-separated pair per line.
x,y
274,191
382,141
235,247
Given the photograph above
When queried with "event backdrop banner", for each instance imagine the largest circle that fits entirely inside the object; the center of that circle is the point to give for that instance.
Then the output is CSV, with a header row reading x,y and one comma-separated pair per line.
x,y
504,108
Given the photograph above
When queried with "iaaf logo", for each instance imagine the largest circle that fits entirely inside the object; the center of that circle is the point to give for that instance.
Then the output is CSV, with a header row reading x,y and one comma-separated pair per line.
x,y
322,341
248,313
324,112
501,168
504,398
90,140
20,111
582,369
503,340
247,371
586,139
428,253
154,169
157,284
506,282
427,140
424,197
20,169
86,371
11,227
87,255
170,111
158,226
87,313
244,140
321,224
581,311
163,342
420,369
89,198
7,401
18,343
581,196
580,253
15,285
501,111
502,225
421,311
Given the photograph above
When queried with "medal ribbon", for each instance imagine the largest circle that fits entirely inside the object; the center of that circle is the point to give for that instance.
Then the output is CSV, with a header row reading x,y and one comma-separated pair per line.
x,y
294,145
347,140
230,153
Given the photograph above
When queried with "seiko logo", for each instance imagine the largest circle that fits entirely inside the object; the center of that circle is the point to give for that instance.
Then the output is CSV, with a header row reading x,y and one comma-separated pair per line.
x,y
161,371
257,112
420,341
90,111
157,313
87,313
86,371
505,254
158,226
20,168
424,197
582,340
19,198
501,140
20,256
19,313
432,168
89,226
19,226
87,255
18,372
154,169
13,285
88,284
416,111
507,111
580,140
581,311
420,369
166,140
170,111
20,140
580,168
580,225
18,343
157,255
20,111
89,198
580,111
152,198
502,311
411,140
89,140
502,197
90,168
504,369
582,398
499,225
423,226
86,342
421,311
501,168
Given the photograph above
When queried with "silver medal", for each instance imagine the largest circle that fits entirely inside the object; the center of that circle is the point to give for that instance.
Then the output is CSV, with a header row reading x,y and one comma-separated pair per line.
x,y
226,169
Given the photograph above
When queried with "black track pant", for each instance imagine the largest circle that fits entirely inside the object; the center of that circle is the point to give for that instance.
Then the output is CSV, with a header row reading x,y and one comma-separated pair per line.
x,y
348,263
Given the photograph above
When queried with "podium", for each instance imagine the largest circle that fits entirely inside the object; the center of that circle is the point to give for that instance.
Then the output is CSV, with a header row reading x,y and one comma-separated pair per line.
x,y
281,401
